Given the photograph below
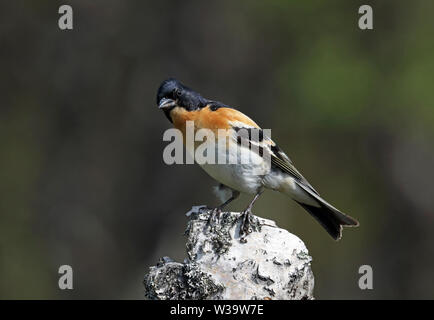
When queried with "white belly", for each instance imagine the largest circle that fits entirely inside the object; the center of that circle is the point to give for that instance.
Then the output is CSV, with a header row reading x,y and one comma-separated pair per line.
x,y
236,176
242,171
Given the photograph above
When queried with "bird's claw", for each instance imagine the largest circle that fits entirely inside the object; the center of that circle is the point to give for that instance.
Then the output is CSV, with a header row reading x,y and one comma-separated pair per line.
x,y
246,224
214,216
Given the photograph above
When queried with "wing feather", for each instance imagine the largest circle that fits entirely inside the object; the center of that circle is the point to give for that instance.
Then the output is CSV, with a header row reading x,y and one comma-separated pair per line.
x,y
279,159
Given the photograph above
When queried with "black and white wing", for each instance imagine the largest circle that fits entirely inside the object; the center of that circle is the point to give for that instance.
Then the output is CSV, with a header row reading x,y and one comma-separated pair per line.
x,y
255,136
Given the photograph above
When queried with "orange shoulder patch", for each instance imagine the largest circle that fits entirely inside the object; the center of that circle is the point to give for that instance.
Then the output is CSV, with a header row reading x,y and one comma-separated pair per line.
x,y
232,115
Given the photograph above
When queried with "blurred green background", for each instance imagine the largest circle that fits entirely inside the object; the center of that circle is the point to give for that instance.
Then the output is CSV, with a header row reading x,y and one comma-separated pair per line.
x,y
82,179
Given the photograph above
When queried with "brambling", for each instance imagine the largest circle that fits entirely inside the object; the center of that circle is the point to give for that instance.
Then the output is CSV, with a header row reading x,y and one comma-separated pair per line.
x,y
180,104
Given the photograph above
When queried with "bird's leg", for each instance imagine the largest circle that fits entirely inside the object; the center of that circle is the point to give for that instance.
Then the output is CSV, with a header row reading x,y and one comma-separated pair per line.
x,y
215,213
246,217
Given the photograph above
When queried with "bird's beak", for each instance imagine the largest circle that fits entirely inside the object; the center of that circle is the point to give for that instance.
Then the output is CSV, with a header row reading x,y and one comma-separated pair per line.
x,y
166,103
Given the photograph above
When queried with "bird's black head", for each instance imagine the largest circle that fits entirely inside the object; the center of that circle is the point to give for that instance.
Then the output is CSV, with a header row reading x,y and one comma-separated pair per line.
x,y
173,94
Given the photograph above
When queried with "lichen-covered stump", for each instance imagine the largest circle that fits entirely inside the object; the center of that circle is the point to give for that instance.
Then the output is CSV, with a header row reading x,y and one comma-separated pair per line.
x,y
269,263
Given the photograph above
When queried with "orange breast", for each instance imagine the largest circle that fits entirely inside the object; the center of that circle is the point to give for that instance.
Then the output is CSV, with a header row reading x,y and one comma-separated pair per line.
x,y
209,119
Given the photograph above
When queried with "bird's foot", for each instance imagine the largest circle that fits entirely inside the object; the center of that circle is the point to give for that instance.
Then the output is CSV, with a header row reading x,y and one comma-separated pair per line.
x,y
214,216
246,224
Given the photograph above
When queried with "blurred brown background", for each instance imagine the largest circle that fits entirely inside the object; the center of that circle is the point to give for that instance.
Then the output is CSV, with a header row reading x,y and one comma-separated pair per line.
x,y
82,179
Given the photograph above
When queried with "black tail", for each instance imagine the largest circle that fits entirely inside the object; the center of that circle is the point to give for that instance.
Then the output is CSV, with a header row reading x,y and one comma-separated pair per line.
x,y
328,216
331,220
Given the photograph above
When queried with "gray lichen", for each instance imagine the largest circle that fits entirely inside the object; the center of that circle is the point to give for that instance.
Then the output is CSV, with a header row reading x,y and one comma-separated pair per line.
x,y
219,239
269,263
177,281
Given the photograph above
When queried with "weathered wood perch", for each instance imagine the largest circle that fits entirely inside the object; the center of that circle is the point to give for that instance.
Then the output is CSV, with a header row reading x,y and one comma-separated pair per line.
x,y
270,264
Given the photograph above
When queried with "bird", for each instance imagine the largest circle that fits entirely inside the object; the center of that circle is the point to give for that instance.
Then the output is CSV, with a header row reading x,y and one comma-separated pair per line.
x,y
181,104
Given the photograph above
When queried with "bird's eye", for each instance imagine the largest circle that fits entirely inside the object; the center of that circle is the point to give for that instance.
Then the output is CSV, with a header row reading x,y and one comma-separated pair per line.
x,y
177,92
